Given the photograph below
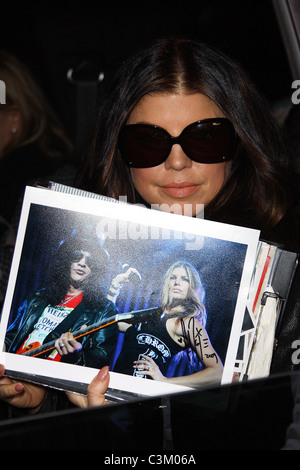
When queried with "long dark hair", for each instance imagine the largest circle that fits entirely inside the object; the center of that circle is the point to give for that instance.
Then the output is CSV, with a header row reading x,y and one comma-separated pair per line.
x,y
39,123
255,188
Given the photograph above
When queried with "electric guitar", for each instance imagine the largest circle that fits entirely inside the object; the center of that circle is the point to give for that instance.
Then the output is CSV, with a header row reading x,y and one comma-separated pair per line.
x,y
131,317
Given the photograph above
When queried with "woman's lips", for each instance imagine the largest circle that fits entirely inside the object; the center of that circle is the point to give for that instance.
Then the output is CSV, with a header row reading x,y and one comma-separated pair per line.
x,y
180,190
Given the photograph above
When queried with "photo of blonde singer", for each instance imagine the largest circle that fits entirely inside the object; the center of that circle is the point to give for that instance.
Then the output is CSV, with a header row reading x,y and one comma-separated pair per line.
x,y
149,346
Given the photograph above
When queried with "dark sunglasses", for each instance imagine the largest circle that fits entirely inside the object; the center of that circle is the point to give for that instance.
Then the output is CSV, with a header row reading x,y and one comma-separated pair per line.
x,y
207,141
77,256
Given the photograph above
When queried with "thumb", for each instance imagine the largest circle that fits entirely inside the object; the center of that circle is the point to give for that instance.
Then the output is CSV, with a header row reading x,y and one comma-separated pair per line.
x,y
97,388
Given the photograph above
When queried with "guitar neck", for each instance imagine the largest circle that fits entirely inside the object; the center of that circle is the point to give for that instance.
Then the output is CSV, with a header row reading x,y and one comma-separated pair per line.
x,y
130,317
79,333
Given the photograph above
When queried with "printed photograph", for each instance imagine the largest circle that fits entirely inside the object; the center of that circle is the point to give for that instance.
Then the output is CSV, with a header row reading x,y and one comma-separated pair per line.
x,y
97,283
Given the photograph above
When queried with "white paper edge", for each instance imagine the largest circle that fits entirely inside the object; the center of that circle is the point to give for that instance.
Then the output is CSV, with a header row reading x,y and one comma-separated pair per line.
x,y
134,213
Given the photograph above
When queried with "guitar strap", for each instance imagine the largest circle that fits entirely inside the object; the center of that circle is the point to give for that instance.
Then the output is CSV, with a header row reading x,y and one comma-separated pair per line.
x,y
66,324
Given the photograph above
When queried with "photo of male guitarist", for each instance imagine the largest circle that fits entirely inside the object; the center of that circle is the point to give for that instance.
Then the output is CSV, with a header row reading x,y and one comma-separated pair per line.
x,y
71,301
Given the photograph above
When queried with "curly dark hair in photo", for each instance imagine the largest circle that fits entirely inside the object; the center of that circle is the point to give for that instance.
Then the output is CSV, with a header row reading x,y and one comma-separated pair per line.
x,y
59,280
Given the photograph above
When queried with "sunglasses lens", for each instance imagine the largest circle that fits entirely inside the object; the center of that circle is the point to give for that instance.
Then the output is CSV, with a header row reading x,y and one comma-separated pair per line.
x,y
78,255
209,141
144,146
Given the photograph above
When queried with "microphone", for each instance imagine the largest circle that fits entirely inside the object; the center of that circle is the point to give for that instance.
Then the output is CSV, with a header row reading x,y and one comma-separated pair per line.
x,y
144,315
133,276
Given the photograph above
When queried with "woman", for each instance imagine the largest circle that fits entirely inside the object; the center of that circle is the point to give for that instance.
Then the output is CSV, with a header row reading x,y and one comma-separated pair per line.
x,y
149,346
240,172
33,146
32,141
175,83
252,187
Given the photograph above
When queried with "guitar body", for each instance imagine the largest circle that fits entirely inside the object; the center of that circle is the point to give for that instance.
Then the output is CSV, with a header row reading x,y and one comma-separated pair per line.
x,y
29,348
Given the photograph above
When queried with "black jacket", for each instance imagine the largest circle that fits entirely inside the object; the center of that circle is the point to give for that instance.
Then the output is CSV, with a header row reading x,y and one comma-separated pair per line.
x,y
97,347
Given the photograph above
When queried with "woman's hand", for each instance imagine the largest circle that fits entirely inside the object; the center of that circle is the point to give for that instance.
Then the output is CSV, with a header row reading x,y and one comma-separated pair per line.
x,y
30,396
95,391
21,394
148,367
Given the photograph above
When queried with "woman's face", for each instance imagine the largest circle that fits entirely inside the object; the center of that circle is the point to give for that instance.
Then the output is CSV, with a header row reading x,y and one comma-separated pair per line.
x,y
179,183
179,284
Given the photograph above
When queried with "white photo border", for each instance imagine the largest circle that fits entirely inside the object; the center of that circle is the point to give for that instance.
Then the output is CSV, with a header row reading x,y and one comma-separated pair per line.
x,y
195,229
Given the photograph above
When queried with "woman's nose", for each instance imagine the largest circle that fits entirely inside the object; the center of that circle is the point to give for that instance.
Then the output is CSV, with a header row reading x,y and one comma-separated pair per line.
x,y
177,159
